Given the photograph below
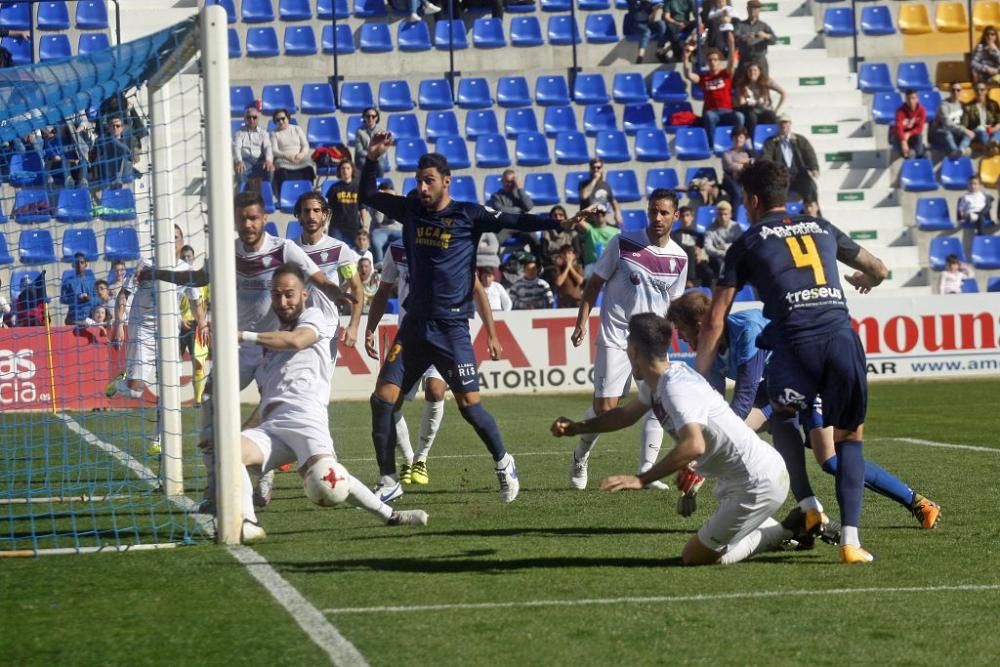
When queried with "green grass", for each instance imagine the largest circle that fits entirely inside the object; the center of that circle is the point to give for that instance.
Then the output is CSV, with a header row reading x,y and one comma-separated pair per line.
x,y
197,605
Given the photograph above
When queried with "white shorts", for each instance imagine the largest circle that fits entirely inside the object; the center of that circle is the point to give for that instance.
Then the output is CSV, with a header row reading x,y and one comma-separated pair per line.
x,y
140,355
612,372
430,373
288,435
742,510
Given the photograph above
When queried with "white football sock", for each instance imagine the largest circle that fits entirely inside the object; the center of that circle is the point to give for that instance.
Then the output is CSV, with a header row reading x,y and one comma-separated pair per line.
x,y
765,538
248,511
361,496
388,480
429,425
122,386
649,443
811,503
849,535
403,437
502,463
587,440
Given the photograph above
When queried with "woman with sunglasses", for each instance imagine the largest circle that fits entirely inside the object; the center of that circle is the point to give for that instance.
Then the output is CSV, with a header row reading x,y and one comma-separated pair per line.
x,y
986,57
363,137
292,156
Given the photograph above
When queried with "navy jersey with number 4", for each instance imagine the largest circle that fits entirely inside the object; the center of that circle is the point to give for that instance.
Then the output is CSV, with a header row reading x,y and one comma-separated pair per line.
x,y
792,262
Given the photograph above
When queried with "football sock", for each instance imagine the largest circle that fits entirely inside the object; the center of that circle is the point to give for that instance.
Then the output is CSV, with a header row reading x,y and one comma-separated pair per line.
x,y
122,386
429,425
765,538
810,504
850,485
788,441
403,436
649,444
361,496
383,437
198,380
486,429
587,440
249,513
879,480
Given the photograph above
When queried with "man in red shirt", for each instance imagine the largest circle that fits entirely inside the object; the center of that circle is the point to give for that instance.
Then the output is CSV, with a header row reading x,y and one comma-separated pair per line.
x,y
717,86
907,133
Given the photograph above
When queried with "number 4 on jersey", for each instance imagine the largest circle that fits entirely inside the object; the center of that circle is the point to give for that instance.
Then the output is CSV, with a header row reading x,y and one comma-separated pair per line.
x,y
805,256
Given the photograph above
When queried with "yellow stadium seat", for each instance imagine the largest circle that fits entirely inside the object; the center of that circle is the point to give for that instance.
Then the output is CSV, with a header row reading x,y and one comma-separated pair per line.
x,y
951,17
989,170
947,71
985,13
913,19
995,95
967,95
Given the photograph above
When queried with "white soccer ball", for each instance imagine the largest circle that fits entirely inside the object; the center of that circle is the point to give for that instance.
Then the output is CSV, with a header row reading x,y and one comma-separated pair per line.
x,y
327,483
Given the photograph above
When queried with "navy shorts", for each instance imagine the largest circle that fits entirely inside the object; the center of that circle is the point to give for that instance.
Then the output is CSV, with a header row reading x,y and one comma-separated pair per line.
x,y
420,344
831,366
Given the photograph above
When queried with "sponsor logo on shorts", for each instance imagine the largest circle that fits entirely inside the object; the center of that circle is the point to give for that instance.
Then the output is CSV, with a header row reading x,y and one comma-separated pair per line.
x,y
394,352
793,399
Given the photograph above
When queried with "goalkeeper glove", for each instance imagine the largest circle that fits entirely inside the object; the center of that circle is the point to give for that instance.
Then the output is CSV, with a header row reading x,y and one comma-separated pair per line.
x,y
688,482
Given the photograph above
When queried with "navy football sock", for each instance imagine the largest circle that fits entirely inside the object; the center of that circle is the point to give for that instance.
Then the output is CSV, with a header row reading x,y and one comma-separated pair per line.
x,y
879,480
383,435
788,441
850,483
486,429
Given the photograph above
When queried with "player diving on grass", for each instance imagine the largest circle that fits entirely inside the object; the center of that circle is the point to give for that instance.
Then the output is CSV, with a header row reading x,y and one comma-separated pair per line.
x,y
440,236
752,480
791,261
292,417
743,362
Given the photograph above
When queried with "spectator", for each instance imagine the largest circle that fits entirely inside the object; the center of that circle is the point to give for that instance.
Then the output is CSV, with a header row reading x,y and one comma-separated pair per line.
x,y
29,307
370,118
717,86
530,292
595,232
488,251
187,254
102,295
733,162
362,245
687,236
986,57
117,153
383,229
494,6
797,154
66,154
955,271
679,17
78,291
99,317
753,36
554,239
292,155
369,281
974,206
346,217
253,159
717,17
982,116
6,312
704,191
648,21
753,97
118,274
811,207
566,277
948,130
429,9
907,132
721,235
598,191
511,198
499,299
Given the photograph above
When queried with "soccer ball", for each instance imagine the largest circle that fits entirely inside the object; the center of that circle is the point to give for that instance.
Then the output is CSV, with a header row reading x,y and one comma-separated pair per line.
x,y
327,483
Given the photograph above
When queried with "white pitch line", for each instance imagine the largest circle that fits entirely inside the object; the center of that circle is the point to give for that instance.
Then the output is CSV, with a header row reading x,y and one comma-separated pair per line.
x,y
942,445
660,599
516,455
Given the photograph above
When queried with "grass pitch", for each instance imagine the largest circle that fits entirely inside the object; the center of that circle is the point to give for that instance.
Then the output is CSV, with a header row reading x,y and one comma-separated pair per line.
x,y
559,577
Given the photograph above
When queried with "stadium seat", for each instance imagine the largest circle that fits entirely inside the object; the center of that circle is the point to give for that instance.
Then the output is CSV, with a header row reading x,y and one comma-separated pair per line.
x,y
669,109
932,215
323,131
356,97
403,126
661,178
491,184
571,148
5,256
257,11
590,89
92,15
31,206
985,13
79,239
989,170
762,133
986,252
479,122
913,19
571,185
745,294
290,193
794,207
91,42
300,41
343,43
551,90
838,22
601,29
532,150
235,47
512,91
612,146
294,10
943,246
597,118
121,244
450,34
326,9
366,9
970,286
474,93
277,96
913,75
525,31
875,78
55,15
491,152
73,205
556,5
559,119
487,33
723,139
317,98
408,152
118,205
528,7
240,97
440,124
956,172
636,117
633,220
454,150
266,193
354,123
434,95
884,107
629,88
516,121
374,38
562,30
54,47
692,173
951,17
625,184
704,217
593,5
395,96
692,144
463,188
293,229
35,247
262,43
413,36
542,188
993,284
931,100
877,21
21,50
668,87
917,175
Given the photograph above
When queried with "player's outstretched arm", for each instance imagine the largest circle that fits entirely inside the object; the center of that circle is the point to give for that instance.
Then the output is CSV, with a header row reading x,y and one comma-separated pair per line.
x,y
587,301
486,314
612,420
870,271
376,309
333,292
192,278
282,341
690,445
713,328
394,206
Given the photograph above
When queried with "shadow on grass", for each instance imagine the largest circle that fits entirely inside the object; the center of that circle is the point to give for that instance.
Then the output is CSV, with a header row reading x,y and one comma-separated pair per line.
x,y
475,566
589,531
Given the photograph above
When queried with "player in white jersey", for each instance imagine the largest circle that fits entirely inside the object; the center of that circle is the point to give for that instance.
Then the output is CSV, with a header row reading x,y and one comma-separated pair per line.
x,y
640,272
294,380
752,480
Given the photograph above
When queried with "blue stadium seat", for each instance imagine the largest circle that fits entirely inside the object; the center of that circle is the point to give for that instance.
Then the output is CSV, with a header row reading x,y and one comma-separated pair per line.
x,y
293,229
434,95
571,185
21,50
932,215
91,42
317,98
487,33
636,117
571,148
661,178
651,146
551,90
235,47
692,144
463,188
343,42
356,97
562,30
366,9
290,193
556,5
491,152
240,97
559,119
326,9
590,89
512,91
875,78
54,47
5,256
528,7
79,239
412,36
277,96
877,21
323,131
403,125
440,124
970,286
73,205
354,122
294,10
300,41
474,93
35,247
118,205
454,150
55,15
668,87
692,173
253,11
884,107
993,284
454,31
31,206
601,29
704,217
625,184
941,247
479,122
633,220
917,175
542,188
629,88
762,133
913,75
395,96
723,139
931,100
956,172
532,150
597,118
375,38
745,294
491,184
986,252
262,42
794,207
838,22
267,194
121,244
742,218
525,31
408,152
516,121
593,5
669,109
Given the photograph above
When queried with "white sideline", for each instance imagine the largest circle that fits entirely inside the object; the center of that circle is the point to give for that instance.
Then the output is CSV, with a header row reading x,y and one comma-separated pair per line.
x,y
943,445
308,617
661,599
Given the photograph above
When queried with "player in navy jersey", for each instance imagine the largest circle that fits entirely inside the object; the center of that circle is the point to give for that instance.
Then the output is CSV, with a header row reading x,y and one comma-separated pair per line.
x,y
792,262
440,236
